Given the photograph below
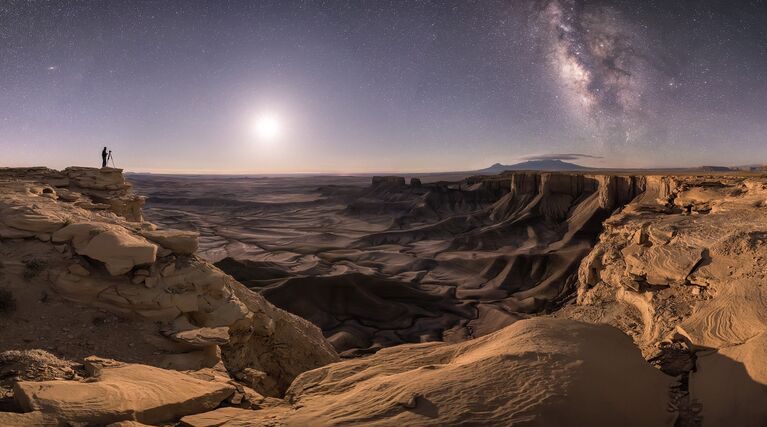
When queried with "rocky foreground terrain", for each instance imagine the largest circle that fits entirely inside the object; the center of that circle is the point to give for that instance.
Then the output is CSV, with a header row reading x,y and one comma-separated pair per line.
x,y
523,298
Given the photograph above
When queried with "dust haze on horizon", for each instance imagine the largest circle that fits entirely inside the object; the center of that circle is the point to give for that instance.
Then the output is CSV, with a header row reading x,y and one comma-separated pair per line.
x,y
379,86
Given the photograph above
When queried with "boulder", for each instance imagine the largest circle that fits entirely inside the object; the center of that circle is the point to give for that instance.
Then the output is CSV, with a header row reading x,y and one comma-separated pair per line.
x,y
203,337
32,218
128,206
179,241
79,234
86,204
68,195
120,391
89,188
119,249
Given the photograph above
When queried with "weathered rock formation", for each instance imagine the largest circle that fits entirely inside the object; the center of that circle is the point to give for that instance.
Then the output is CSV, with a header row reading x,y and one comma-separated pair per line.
x,y
122,392
88,188
455,261
536,372
673,261
183,312
681,269
389,180
526,278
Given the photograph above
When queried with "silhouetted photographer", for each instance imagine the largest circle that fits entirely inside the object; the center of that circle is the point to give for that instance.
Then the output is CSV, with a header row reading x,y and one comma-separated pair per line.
x,y
106,157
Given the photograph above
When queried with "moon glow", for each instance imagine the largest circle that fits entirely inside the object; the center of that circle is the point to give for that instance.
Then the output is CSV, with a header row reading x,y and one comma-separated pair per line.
x,y
267,127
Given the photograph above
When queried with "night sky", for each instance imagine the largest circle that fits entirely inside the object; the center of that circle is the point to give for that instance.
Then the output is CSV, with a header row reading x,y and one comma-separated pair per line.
x,y
361,86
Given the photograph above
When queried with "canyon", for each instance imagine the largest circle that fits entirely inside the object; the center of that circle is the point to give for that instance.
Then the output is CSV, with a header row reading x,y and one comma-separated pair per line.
x,y
522,298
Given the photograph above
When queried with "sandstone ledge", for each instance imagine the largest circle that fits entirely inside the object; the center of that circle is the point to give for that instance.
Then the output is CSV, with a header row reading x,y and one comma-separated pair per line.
x,y
122,392
192,314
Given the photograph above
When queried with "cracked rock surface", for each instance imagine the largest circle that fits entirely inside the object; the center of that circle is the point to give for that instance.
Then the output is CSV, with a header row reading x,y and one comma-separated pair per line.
x,y
81,281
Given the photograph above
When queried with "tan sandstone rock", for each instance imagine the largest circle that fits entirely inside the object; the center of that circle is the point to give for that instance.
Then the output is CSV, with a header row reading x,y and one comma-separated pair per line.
x,y
122,392
28,419
204,336
262,338
179,241
33,219
119,249
534,372
221,417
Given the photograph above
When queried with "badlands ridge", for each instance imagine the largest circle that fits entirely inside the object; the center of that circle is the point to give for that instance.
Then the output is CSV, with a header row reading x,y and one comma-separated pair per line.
x,y
523,298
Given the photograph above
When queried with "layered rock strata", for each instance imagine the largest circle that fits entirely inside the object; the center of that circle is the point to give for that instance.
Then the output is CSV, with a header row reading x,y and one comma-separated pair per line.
x,y
88,188
681,270
485,265
94,266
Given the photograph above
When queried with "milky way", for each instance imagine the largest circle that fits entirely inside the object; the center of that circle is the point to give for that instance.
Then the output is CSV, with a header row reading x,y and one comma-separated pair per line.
x,y
602,65
382,85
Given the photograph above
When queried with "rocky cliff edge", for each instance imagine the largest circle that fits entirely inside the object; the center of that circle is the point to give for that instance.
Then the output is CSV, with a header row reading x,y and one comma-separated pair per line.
x,y
82,274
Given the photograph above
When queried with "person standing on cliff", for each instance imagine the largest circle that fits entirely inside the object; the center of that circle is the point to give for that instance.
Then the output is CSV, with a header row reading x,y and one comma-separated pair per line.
x,y
104,157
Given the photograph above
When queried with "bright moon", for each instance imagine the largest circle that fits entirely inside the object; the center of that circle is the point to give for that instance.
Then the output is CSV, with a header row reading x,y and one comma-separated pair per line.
x,y
267,127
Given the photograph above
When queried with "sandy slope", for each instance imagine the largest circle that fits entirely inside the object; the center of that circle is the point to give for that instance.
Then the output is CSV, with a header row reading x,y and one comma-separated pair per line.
x,y
541,372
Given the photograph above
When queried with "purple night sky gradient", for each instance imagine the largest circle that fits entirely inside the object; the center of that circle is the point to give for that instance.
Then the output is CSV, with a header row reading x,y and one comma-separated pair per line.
x,y
364,86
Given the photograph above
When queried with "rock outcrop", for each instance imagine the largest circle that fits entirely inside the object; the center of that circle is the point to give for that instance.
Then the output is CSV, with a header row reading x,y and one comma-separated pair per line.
x,y
535,372
456,260
177,241
520,290
681,269
398,181
184,313
695,236
89,188
118,248
122,392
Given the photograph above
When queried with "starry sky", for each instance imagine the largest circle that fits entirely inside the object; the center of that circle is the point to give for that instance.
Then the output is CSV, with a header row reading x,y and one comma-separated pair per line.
x,y
373,86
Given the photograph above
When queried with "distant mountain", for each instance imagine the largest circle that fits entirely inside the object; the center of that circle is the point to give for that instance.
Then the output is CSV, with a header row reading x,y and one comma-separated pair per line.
x,y
539,165
752,167
715,168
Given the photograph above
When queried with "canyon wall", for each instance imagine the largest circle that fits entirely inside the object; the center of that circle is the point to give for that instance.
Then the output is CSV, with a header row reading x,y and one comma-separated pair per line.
x,y
497,299
455,261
